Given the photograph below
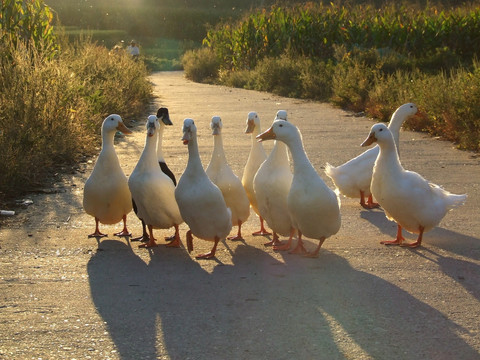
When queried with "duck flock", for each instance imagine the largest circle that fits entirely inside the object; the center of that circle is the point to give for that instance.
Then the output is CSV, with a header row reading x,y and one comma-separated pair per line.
x,y
299,204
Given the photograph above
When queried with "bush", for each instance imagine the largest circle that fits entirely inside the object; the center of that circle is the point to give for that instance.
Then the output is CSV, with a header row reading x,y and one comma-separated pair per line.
x,y
237,79
280,76
52,111
201,65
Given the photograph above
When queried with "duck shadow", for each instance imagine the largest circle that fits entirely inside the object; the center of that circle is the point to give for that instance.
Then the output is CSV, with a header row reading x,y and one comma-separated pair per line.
x,y
259,307
380,319
465,272
451,241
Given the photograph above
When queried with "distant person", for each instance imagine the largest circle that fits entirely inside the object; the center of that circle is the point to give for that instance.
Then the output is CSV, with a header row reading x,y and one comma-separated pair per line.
x,y
117,49
133,50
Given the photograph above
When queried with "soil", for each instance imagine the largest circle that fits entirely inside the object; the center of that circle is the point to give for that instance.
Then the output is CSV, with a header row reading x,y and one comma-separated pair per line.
x,y
65,296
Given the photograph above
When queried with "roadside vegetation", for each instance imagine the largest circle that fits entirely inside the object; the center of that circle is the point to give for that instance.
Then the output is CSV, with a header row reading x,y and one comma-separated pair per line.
x,y
359,57
59,76
54,96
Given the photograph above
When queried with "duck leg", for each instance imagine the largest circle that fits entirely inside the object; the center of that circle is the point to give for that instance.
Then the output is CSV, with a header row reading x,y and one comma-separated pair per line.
x,y
314,253
189,241
211,253
416,243
299,249
369,204
262,230
239,233
97,232
151,241
176,238
125,231
144,236
275,241
398,241
287,245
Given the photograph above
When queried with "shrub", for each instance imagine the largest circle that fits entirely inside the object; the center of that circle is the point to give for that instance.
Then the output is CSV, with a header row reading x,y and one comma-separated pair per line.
x,y
280,76
201,65
52,110
238,79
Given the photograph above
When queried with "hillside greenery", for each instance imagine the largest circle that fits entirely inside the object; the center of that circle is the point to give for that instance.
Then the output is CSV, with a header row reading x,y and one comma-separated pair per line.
x,y
359,57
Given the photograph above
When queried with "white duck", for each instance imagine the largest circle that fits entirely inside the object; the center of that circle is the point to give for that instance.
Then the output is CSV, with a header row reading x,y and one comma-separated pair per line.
x,y
256,157
353,178
272,185
163,118
106,196
152,191
314,208
414,203
201,202
222,175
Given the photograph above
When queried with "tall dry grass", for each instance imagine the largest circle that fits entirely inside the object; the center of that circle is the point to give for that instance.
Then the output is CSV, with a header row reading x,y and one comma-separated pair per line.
x,y
51,110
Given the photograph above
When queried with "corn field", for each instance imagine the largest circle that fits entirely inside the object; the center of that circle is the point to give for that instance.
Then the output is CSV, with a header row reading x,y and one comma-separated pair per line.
x,y
314,30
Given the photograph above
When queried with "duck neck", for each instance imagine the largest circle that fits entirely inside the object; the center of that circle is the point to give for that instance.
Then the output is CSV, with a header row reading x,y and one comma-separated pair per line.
x,y
395,125
279,152
149,156
194,162
107,139
218,152
388,157
160,157
299,157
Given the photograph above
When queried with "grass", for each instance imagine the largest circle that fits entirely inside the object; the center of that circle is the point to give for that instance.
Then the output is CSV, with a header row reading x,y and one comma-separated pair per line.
x,y
60,123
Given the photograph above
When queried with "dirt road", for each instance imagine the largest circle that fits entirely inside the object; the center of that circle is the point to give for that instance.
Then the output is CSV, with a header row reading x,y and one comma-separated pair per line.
x,y
64,296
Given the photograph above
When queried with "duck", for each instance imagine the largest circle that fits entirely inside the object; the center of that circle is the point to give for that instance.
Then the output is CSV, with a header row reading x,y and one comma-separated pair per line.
x,y
229,184
163,118
272,184
352,179
152,191
256,157
314,208
106,195
200,201
413,202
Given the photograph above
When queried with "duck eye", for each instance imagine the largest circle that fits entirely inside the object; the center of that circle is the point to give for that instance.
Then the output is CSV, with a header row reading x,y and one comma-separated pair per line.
x,y
381,130
281,125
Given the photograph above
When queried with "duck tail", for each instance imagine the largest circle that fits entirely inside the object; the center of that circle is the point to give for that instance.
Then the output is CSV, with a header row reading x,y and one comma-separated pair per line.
x,y
330,170
455,200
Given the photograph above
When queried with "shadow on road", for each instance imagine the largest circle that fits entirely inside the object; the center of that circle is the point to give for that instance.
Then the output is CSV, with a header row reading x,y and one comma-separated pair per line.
x,y
261,307
451,241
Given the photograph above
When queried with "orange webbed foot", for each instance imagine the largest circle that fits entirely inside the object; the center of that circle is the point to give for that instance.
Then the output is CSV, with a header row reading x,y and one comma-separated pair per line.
x,y
398,241
262,231
176,239
97,234
275,241
209,255
299,249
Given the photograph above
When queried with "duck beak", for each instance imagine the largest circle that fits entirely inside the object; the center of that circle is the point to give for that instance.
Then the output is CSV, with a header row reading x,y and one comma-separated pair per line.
x,y
121,127
266,135
216,130
250,127
185,138
166,120
369,140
